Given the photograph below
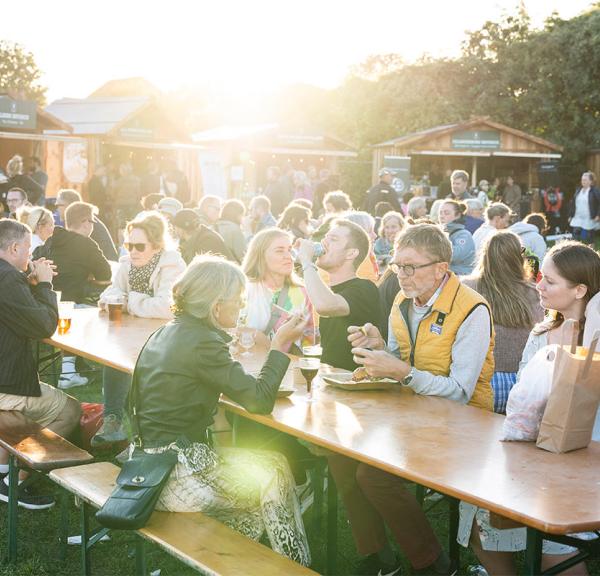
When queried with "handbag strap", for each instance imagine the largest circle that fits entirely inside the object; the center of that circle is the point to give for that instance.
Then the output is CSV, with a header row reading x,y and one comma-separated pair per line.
x,y
276,314
134,402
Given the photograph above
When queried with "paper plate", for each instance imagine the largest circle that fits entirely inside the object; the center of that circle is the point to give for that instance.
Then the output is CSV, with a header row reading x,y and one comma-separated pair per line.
x,y
345,382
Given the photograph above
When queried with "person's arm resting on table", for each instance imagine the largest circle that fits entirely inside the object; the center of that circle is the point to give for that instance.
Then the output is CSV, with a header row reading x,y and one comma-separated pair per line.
x,y
468,355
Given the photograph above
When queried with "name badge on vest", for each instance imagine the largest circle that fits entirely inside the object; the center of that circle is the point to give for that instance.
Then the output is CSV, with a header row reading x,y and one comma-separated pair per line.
x,y
437,327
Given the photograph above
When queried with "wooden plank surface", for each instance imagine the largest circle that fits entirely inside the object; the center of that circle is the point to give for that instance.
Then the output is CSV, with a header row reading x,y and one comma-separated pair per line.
x,y
452,448
39,448
114,344
194,538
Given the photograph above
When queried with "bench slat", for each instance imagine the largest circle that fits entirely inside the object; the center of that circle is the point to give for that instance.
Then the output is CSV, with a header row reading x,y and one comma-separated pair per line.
x,y
197,540
39,448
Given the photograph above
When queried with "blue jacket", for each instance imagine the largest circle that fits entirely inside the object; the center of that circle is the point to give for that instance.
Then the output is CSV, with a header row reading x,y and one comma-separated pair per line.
x,y
463,248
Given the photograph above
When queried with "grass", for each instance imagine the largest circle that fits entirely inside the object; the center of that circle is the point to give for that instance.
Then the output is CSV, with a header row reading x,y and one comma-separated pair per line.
x,y
38,538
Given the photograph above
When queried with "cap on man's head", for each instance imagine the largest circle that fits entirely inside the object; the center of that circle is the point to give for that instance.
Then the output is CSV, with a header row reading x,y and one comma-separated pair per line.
x,y
186,219
170,206
385,172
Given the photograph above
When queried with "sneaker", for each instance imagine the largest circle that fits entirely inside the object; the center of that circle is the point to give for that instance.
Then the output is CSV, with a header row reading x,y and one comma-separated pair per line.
x,y
110,432
71,381
371,565
76,540
477,570
26,499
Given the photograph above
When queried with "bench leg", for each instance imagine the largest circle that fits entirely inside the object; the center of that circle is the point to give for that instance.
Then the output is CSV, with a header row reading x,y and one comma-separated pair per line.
x,y
331,524
84,526
453,546
420,494
13,506
140,557
533,553
318,487
63,536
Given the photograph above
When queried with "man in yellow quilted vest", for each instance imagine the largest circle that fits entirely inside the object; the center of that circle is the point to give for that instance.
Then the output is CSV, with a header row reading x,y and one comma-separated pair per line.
x,y
440,343
441,336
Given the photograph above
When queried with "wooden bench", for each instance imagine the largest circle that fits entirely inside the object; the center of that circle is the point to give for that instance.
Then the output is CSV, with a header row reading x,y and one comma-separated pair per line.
x,y
197,540
31,447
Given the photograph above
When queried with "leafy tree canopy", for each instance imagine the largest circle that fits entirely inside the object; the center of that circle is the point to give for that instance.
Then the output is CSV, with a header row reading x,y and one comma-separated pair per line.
x,y
19,73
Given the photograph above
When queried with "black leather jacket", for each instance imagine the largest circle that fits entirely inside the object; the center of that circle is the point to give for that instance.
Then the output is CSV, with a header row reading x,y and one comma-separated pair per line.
x,y
180,374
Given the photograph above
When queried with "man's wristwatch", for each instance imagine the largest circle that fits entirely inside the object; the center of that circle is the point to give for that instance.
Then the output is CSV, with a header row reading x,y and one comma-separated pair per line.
x,y
408,378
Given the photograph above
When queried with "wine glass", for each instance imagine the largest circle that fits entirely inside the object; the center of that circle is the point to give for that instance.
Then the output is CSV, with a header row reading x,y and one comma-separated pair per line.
x,y
246,341
309,368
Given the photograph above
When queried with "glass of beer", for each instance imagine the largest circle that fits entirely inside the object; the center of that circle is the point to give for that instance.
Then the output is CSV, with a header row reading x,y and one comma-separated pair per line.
x,y
309,368
115,308
65,314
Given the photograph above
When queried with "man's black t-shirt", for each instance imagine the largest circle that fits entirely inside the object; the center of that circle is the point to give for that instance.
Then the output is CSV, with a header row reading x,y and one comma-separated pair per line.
x,y
363,300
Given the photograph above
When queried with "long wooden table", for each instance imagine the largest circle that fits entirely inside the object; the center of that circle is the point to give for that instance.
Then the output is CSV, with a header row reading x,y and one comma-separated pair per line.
x,y
449,447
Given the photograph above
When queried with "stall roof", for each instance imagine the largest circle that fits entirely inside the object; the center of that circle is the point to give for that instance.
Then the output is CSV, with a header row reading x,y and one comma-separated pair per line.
x,y
96,115
47,120
276,139
435,132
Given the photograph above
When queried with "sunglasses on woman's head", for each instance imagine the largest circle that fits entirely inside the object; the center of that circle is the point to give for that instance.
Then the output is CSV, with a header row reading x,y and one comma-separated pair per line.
x,y
139,246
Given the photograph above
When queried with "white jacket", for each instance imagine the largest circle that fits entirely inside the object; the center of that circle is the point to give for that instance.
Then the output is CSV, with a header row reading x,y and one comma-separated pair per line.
x,y
530,238
168,269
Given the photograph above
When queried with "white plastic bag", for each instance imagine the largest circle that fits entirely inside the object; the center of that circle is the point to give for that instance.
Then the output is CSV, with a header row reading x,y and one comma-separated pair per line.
x,y
527,400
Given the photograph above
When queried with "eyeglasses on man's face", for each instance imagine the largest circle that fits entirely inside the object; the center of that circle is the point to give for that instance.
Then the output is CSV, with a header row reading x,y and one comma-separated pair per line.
x,y
410,269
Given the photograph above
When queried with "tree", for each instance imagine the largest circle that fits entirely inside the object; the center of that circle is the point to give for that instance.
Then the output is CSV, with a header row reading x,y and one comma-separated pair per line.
x,y
19,73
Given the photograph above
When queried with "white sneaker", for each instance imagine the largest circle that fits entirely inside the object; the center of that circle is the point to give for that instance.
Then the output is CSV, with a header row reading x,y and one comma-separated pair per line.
x,y
71,381
76,540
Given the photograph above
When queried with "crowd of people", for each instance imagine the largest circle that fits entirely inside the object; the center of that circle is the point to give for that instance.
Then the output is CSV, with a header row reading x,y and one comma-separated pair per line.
x,y
449,300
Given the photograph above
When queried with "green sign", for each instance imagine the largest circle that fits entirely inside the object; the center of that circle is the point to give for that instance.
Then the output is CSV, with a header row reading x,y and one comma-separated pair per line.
x,y
17,113
476,140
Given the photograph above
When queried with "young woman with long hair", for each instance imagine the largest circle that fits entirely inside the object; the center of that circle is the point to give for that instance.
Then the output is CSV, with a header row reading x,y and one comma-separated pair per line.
x,y
501,278
570,279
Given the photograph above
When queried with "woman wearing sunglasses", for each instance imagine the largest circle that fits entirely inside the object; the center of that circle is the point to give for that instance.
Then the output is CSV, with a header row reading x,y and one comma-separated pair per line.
x,y
143,282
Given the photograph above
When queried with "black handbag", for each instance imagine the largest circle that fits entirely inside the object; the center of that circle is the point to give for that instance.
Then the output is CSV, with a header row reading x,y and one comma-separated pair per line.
x,y
139,485
140,481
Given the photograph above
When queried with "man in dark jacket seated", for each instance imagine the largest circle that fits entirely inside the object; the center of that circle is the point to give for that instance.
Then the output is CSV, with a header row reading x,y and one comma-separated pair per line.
x,y
28,311
196,238
81,265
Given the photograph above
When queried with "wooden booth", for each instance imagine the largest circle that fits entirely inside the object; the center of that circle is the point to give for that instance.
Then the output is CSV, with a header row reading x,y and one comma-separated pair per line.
x,y
22,131
114,130
482,147
235,158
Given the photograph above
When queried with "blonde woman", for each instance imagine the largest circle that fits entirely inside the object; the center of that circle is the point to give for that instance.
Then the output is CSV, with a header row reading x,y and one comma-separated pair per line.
x,y
391,225
143,282
16,179
180,374
273,285
40,221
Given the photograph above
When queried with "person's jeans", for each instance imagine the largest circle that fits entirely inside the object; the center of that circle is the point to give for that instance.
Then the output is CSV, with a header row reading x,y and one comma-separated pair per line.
x,y
115,385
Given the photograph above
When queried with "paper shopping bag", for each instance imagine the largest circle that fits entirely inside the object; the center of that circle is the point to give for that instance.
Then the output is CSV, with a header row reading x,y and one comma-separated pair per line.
x,y
570,413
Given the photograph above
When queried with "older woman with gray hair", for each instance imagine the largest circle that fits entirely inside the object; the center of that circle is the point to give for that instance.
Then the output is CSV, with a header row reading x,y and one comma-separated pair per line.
x,y
180,374
417,207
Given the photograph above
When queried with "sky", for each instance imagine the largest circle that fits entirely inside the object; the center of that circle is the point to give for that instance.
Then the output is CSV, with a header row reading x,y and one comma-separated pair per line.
x,y
242,46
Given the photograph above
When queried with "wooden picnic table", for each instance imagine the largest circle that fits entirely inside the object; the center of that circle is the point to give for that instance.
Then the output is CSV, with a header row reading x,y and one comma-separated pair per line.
x,y
449,447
